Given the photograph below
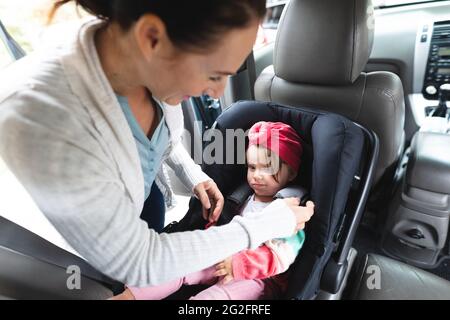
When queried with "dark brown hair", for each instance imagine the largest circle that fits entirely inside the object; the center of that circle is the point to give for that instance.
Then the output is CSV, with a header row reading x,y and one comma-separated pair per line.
x,y
189,23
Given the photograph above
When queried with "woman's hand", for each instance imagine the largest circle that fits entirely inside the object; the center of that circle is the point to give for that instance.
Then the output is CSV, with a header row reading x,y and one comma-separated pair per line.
x,y
225,269
211,199
302,214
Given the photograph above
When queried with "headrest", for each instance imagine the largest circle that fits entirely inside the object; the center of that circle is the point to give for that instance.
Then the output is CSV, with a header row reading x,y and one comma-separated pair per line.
x,y
325,42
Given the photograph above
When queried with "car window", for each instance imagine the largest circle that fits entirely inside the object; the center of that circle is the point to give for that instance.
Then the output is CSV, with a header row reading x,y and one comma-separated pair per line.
x,y
5,57
390,3
268,28
28,24
273,16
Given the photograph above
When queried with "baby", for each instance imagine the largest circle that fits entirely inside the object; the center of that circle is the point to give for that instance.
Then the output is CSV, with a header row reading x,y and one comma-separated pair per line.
x,y
273,159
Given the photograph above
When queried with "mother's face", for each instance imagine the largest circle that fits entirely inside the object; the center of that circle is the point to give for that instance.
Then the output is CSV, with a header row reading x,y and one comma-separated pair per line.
x,y
173,75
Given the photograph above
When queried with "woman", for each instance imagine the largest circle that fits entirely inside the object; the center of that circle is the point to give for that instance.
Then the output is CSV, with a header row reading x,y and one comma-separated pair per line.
x,y
86,127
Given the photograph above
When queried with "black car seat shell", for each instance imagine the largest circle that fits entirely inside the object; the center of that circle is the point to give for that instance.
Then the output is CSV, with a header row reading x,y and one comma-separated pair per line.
x,y
334,152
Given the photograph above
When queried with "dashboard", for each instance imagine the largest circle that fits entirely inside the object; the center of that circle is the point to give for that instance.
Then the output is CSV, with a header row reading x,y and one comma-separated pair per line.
x,y
414,42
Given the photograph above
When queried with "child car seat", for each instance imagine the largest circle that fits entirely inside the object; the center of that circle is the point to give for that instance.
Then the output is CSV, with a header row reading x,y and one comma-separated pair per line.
x,y
337,168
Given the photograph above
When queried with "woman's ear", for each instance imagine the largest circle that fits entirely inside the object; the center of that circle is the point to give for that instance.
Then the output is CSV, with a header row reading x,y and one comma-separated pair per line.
x,y
150,34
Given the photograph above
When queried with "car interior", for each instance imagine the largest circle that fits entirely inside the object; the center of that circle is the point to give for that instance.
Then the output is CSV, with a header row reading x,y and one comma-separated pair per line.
x,y
365,82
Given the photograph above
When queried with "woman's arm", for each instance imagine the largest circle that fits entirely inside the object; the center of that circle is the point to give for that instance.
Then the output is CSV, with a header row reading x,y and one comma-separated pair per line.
x,y
185,168
75,183
197,181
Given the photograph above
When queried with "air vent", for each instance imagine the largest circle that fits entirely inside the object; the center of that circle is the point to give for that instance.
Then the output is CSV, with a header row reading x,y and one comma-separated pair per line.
x,y
441,31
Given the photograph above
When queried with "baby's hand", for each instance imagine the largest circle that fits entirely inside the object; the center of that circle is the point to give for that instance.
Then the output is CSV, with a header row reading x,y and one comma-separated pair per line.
x,y
225,269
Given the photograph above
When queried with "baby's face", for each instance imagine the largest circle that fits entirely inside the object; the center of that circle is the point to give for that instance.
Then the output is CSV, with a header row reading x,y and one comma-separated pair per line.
x,y
260,173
